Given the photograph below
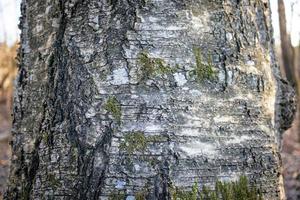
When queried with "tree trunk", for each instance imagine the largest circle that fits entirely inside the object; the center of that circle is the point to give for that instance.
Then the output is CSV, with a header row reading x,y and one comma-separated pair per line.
x,y
296,124
286,45
290,60
144,95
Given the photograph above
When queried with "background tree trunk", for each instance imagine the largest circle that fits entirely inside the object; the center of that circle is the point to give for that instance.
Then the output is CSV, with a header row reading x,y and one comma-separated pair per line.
x,y
286,45
296,125
290,61
137,95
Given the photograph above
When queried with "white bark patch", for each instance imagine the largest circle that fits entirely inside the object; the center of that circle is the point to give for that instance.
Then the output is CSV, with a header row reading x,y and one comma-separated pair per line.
x,y
152,128
54,158
250,62
197,148
229,36
193,120
265,129
173,28
47,11
146,127
90,113
120,184
238,139
230,77
221,76
155,98
197,22
95,19
87,53
134,96
190,131
55,23
224,119
157,27
195,93
269,97
180,79
229,177
38,28
130,198
137,167
120,77
153,19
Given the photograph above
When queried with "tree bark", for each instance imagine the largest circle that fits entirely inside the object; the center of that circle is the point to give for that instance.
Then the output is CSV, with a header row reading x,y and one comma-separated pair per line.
x,y
296,125
286,45
290,58
143,95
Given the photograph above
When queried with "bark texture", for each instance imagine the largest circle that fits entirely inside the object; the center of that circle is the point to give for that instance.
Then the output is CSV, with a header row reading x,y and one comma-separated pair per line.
x,y
139,96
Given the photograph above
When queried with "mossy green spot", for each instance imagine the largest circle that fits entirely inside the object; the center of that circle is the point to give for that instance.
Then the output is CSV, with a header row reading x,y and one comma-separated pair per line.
x,y
142,195
238,190
117,196
134,142
46,138
178,194
153,66
138,142
54,182
202,71
114,108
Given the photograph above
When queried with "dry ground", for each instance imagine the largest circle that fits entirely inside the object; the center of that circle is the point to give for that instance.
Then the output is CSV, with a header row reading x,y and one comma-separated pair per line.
x,y
5,152
291,165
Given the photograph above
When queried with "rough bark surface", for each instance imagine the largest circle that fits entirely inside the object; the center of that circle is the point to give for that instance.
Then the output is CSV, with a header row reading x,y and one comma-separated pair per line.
x,y
143,95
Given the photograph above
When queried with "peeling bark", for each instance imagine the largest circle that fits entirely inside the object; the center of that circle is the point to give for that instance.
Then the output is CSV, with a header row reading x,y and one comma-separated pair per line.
x,y
132,95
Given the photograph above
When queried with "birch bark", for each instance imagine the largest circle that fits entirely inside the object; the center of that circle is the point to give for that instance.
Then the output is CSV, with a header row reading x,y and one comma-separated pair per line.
x,y
142,95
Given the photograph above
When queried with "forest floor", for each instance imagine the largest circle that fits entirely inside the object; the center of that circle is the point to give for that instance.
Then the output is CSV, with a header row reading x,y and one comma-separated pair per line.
x,y
5,152
290,158
291,165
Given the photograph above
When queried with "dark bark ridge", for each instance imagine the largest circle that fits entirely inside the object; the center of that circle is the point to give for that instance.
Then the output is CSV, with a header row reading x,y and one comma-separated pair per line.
x,y
86,126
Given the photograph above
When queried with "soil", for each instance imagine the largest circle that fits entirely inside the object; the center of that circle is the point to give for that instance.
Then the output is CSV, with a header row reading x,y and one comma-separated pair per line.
x,y
5,152
291,165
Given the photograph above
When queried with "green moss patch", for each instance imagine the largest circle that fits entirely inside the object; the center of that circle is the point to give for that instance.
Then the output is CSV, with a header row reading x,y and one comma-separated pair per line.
x,y
178,194
54,182
203,70
238,190
152,66
142,195
114,108
138,142
134,142
117,196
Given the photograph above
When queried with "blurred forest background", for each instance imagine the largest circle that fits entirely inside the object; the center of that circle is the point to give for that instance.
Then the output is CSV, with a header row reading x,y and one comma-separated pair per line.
x,y
286,17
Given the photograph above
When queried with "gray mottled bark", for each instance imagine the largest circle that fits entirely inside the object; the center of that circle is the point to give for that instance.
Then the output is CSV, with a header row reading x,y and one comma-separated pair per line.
x,y
144,95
